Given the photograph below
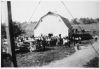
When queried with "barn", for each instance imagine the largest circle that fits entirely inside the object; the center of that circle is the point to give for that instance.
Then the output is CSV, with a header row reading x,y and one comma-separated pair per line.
x,y
53,23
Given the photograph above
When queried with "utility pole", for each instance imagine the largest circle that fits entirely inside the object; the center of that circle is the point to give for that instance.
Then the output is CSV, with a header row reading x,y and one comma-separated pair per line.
x,y
9,32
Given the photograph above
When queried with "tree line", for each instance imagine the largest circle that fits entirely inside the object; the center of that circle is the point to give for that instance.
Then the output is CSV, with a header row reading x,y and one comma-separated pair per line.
x,y
84,20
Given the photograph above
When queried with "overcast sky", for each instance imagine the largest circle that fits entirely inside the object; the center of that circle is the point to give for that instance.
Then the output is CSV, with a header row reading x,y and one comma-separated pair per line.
x,y
23,10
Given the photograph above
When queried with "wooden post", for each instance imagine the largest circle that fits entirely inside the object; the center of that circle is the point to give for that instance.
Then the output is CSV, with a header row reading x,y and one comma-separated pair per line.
x,y
9,32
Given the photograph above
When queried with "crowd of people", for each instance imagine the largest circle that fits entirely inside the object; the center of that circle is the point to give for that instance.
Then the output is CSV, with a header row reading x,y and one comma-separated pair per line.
x,y
53,40
45,41
40,40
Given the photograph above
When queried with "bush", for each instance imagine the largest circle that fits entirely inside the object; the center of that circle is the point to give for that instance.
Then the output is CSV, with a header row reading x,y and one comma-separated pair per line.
x,y
93,63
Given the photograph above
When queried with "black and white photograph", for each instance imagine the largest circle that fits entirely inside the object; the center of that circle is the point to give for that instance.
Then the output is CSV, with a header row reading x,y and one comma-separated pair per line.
x,y
50,33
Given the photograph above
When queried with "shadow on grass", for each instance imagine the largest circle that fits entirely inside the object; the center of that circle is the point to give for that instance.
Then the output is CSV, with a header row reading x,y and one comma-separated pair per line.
x,y
43,50
22,51
6,60
87,42
93,63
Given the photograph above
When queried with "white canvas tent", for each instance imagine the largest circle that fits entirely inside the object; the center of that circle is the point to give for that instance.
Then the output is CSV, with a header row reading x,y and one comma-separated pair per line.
x,y
54,24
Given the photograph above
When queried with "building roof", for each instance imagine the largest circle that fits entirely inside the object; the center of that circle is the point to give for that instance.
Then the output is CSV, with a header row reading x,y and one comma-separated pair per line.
x,y
65,20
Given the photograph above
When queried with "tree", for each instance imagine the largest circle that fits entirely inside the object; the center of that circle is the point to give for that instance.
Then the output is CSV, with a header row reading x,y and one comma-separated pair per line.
x,y
88,20
3,31
75,21
17,30
97,19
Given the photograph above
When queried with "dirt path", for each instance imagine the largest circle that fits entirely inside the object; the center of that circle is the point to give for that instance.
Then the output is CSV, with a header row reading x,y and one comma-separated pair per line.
x,y
78,59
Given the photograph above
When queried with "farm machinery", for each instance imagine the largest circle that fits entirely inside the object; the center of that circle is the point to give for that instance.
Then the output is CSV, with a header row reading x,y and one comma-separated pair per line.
x,y
32,45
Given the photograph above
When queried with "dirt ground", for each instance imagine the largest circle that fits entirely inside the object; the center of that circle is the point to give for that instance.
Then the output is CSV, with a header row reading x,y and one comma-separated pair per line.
x,y
79,58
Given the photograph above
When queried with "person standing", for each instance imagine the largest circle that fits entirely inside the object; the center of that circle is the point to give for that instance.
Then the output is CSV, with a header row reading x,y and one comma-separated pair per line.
x,y
96,38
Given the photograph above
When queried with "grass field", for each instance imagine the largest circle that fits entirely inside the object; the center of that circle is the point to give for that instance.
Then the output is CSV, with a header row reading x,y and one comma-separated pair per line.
x,y
43,57
87,26
93,28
